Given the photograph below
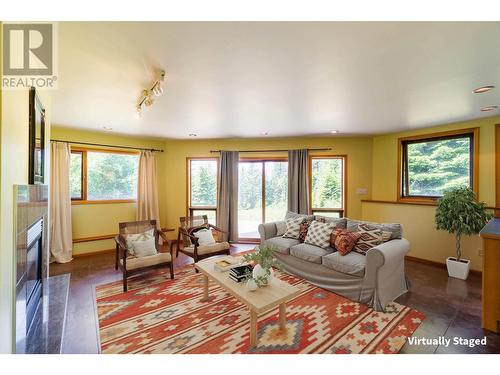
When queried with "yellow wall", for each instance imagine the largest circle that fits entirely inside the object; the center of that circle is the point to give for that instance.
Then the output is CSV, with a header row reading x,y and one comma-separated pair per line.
x,y
358,151
90,220
418,221
371,163
102,219
14,170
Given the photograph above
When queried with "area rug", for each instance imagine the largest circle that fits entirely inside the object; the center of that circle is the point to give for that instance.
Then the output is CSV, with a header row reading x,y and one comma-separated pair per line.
x,y
159,315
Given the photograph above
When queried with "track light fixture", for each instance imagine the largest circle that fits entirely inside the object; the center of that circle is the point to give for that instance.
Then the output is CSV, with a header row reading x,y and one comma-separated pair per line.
x,y
146,96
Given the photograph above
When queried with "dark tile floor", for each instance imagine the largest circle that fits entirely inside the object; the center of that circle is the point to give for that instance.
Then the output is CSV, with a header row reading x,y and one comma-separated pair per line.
x,y
452,307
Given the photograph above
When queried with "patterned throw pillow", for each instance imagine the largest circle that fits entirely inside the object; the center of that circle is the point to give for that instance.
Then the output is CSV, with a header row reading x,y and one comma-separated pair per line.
x,y
386,236
134,238
371,236
293,227
304,227
343,240
318,234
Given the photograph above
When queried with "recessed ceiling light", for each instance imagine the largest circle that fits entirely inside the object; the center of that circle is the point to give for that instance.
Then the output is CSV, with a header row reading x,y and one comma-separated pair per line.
x,y
489,108
193,135
107,128
334,131
482,89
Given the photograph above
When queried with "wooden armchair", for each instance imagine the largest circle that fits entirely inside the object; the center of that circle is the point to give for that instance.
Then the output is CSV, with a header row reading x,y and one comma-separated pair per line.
x,y
189,226
131,265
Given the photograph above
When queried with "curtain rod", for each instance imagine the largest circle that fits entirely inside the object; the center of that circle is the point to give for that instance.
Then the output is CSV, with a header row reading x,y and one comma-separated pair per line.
x,y
104,145
309,149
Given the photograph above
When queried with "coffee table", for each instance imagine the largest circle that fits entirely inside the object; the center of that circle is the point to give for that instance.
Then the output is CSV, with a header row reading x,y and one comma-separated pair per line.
x,y
260,301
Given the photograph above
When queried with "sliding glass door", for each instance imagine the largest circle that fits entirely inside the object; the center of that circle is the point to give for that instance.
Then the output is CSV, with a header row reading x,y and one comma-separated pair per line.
x,y
263,194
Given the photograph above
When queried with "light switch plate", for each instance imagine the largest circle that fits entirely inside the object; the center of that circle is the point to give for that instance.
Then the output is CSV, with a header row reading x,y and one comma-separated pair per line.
x,y
362,191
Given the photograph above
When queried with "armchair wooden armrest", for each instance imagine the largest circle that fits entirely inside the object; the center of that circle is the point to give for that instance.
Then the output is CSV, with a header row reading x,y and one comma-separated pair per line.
x,y
120,241
193,239
217,229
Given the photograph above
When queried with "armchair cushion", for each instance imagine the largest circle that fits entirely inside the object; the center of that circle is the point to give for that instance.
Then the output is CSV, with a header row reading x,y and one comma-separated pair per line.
x,y
208,249
145,248
205,237
133,238
151,260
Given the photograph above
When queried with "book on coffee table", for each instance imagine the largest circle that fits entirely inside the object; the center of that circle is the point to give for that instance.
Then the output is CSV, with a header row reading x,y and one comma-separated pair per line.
x,y
227,263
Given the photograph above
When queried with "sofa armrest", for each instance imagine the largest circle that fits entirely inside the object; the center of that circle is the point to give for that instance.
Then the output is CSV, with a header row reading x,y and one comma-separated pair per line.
x,y
385,272
392,251
267,230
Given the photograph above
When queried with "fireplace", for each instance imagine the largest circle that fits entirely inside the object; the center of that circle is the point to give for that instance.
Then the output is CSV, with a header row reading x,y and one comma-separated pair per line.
x,y
32,260
34,290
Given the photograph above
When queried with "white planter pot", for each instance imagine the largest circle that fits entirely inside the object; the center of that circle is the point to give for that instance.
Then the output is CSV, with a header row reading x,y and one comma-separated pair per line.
x,y
459,270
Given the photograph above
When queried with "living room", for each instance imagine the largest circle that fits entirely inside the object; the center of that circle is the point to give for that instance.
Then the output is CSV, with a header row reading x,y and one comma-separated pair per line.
x,y
345,175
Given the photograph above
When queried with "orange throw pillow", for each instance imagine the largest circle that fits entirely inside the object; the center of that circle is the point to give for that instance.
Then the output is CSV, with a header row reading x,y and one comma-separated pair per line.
x,y
343,240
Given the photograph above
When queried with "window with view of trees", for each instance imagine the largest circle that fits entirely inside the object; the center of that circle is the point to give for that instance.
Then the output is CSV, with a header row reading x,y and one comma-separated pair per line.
x,y
202,175
327,185
432,165
103,175
263,194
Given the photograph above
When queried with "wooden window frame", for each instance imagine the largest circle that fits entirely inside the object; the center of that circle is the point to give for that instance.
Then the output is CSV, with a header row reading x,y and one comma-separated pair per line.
x,y
402,162
497,170
263,160
84,199
189,207
341,210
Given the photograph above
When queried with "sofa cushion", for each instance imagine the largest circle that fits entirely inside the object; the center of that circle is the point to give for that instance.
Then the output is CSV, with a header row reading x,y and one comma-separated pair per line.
x,y
351,263
293,227
394,228
339,222
281,244
310,253
291,214
318,234
280,228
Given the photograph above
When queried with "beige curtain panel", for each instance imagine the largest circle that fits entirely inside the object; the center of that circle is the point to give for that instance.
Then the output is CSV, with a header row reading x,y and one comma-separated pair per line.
x,y
61,238
298,181
227,199
147,189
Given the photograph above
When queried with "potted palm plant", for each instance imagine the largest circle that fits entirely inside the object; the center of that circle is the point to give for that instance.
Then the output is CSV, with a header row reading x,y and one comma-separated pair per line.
x,y
459,213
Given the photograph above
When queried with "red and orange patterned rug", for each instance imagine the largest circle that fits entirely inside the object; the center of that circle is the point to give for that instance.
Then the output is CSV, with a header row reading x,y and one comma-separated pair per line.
x,y
159,315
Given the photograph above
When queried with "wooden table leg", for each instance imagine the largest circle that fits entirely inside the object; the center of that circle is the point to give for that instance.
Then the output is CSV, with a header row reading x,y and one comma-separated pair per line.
x,y
253,328
282,317
205,288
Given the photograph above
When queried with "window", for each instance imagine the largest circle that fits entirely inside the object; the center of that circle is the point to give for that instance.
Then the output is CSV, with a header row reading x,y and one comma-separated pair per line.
x,y
202,177
327,185
100,176
262,195
430,165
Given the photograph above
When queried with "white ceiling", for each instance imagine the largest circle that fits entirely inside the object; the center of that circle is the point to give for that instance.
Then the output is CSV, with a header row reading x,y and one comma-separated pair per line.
x,y
287,79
